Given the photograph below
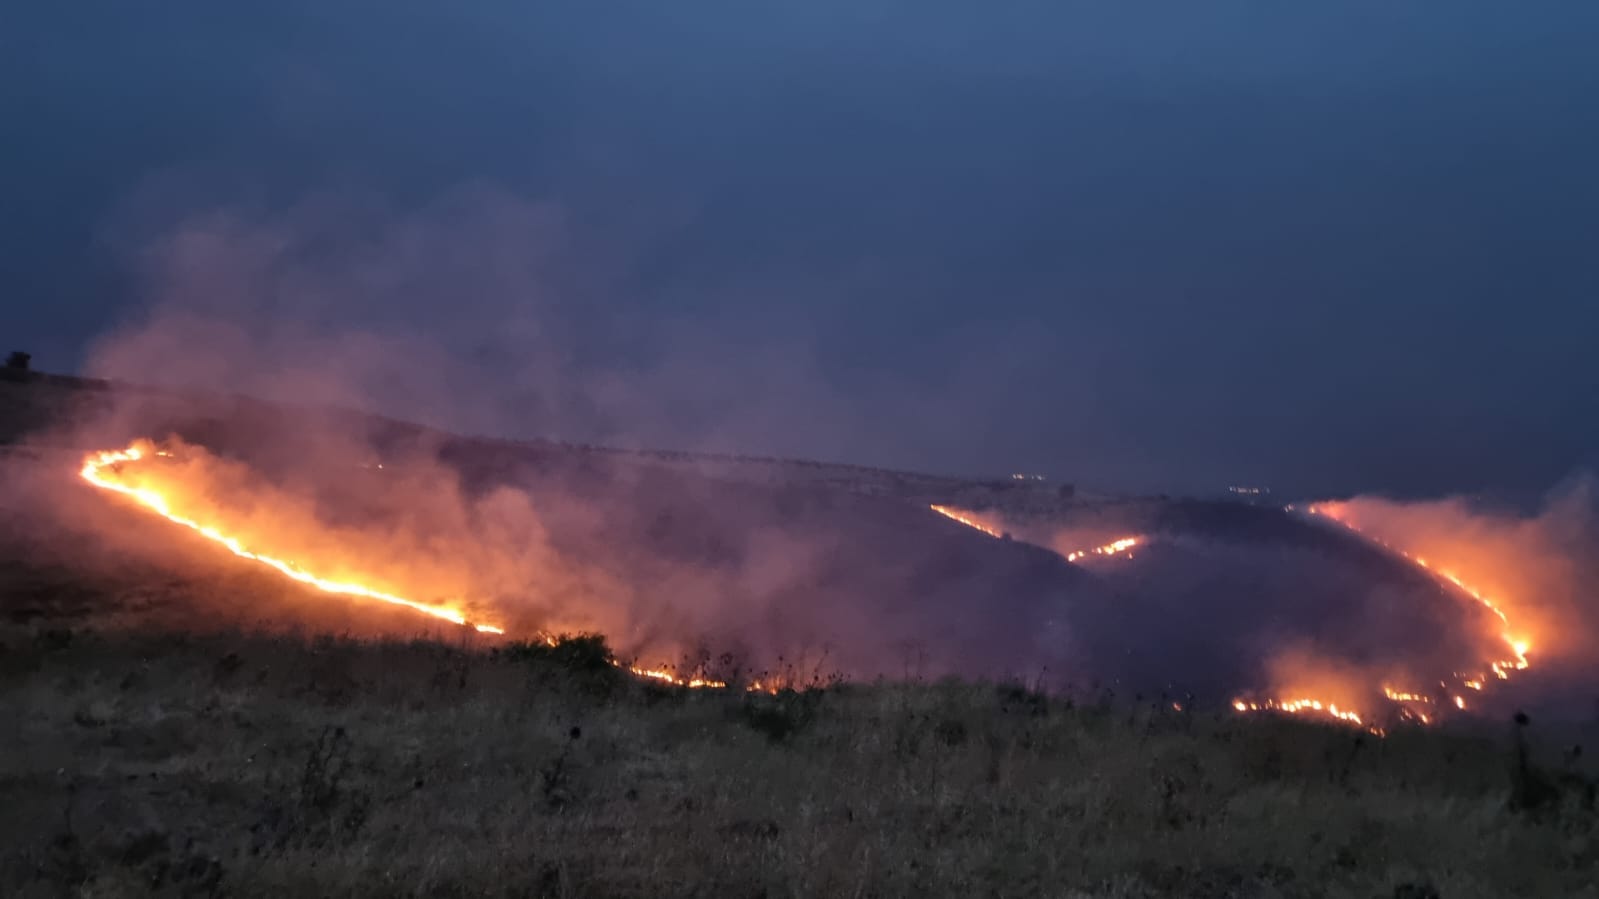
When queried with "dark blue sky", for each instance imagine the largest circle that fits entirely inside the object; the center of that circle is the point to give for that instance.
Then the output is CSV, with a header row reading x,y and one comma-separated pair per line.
x,y
1347,247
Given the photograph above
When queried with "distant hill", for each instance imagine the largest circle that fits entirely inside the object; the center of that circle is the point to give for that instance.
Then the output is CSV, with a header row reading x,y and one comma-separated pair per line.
x,y
774,556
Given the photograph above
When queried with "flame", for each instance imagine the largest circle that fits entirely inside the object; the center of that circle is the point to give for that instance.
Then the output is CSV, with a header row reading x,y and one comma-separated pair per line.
x,y
1516,659
1402,696
666,676
1518,646
692,682
100,469
1305,706
970,520
966,519
1109,549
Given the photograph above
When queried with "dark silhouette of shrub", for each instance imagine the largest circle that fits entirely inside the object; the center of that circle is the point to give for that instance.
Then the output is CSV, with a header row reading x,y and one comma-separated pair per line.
x,y
779,717
585,658
1534,790
1015,697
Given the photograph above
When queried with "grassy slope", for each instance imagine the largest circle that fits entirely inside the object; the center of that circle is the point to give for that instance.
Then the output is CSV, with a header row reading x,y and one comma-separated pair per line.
x,y
258,765
243,765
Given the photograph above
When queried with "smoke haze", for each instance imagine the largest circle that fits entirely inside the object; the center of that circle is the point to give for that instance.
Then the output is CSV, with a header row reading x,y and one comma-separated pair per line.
x,y
1541,567
315,310
466,314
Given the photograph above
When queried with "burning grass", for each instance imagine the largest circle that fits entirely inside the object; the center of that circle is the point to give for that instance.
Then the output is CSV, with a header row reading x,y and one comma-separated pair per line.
x,y
252,764
258,765
1333,689
107,470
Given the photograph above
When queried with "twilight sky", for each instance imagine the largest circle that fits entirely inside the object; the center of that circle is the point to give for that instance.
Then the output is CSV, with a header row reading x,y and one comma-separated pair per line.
x,y
1332,247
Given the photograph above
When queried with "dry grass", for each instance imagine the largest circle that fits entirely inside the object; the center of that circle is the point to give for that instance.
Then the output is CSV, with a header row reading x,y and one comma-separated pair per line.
x,y
257,765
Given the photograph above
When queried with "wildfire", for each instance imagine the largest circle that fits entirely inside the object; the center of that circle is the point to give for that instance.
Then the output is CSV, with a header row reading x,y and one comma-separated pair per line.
x,y
1517,646
1110,549
100,469
1300,707
666,676
967,520
1412,704
1402,696
693,682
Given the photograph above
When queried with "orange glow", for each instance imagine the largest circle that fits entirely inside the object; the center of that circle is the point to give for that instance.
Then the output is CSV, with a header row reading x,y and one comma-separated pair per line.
x,y
967,519
1314,708
1109,549
1402,696
1516,656
669,677
1517,645
102,470
971,520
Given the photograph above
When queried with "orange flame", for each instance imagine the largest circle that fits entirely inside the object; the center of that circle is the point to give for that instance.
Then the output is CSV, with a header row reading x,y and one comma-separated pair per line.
x,y
1518,646
966,519
970,520
1109,549
1405,699
692,682
100,470
1301,707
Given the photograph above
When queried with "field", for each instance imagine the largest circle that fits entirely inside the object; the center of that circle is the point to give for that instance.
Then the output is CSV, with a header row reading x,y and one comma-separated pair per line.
x,y
169,732
240,764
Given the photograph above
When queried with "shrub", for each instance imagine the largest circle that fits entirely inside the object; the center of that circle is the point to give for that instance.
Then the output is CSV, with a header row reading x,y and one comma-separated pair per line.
x,y
585,658
780,716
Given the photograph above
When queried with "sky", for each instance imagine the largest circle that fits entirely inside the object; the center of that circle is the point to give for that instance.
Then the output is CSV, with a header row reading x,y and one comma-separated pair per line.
x,y
1148,246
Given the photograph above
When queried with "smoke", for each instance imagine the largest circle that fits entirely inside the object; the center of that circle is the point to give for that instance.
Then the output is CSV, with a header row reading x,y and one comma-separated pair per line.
x,y
484,312
267,338
1541,567
1272,607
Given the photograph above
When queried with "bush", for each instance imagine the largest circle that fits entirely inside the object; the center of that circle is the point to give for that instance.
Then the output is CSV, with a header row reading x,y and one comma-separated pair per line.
x,y
780,716
586,658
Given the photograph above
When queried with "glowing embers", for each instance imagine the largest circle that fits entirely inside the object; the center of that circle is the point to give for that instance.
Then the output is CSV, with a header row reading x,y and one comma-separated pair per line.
x,y
104,470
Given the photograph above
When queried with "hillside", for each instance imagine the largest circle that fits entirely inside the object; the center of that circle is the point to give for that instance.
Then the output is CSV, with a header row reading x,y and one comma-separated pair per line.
x,y
677,557
183,724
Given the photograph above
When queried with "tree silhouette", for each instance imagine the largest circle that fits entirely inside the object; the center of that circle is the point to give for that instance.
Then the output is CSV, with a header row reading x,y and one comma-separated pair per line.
x,y
18,360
